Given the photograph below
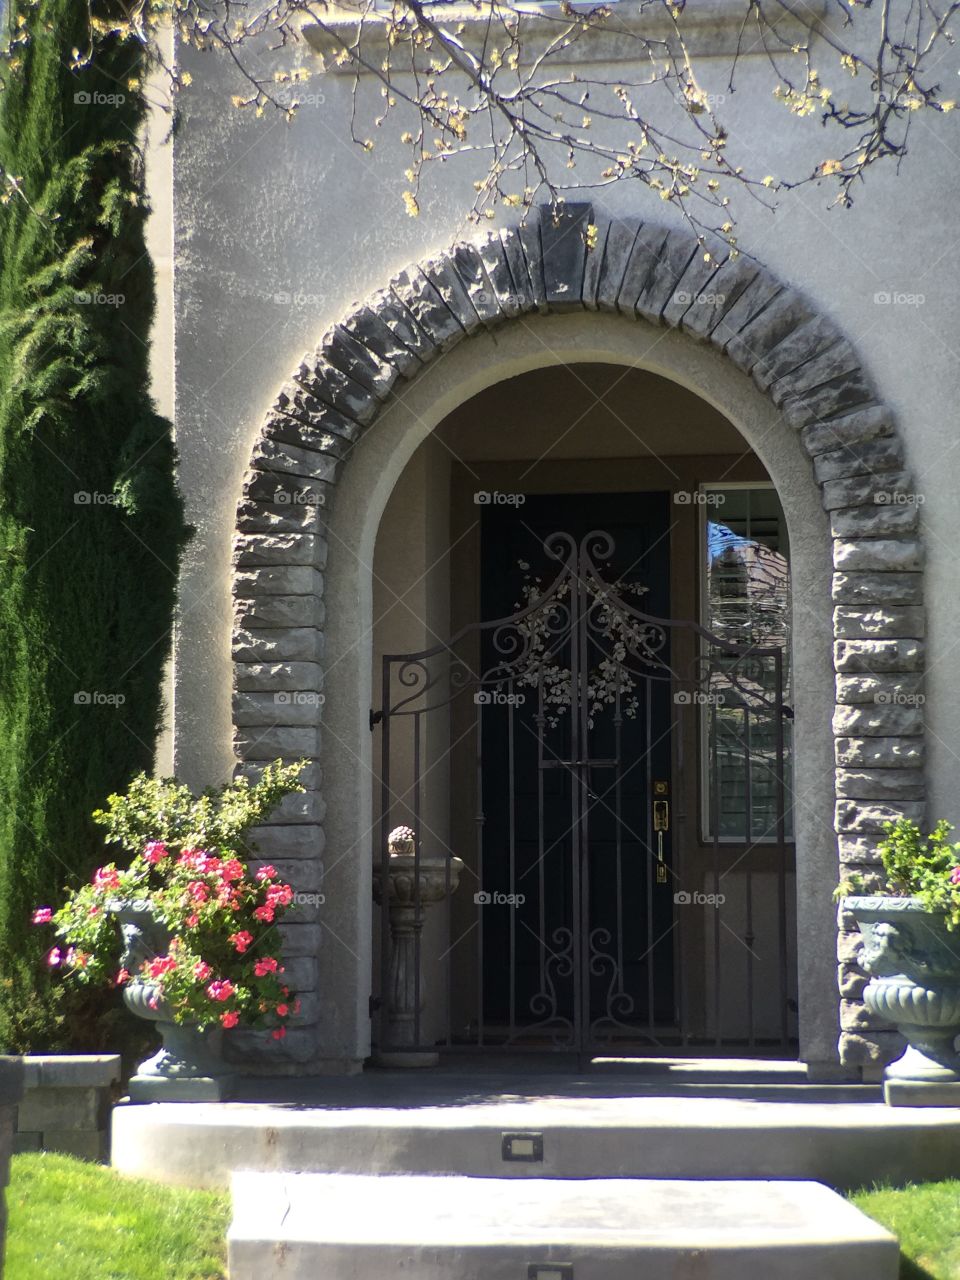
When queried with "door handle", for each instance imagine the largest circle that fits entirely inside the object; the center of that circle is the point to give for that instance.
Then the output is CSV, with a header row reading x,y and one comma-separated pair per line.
x,y
661,815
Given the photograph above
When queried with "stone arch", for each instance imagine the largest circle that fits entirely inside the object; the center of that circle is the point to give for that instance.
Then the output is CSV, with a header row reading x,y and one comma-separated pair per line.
x,y
583,261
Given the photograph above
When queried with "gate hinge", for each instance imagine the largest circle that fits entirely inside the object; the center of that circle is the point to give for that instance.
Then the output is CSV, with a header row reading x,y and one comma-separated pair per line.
x,y
375,718
375,1003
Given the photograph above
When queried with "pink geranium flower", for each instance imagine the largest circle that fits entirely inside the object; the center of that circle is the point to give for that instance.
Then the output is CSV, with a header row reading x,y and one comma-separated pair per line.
x,y
106,878
265,966
202,971
283,1010
267,873
241,940
161,965
54,956
279,1033
955,875
123,975
279,894
155,852
232,869
264,913
42,915
230,1018
222,989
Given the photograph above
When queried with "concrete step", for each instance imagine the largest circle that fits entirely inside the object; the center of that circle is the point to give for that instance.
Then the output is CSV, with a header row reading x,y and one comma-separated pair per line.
x,y
841,1144
348,1227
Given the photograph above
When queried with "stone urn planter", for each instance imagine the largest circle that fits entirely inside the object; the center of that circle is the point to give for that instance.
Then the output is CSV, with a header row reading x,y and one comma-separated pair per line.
x,y
399,1020
913,961
187,1067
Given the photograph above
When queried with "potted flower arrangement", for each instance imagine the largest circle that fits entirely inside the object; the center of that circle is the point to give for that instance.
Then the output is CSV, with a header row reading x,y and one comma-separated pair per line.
x,y
185,930
911,951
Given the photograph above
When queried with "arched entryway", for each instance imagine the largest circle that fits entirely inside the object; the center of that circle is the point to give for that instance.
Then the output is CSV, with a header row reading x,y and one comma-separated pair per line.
x,y
860,621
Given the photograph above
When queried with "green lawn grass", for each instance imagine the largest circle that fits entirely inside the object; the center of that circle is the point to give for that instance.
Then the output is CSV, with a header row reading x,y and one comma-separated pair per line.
x,y
83,1221
926,1220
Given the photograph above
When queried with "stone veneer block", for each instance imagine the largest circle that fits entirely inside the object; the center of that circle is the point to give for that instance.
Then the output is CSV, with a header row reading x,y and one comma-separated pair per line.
x,y
864,458
731,279
371,330
267,677
878,588
877,721
801,347
875,520
480,293
873,422
272,741
753,300
784,312
616,255
902,688
643,259
860,817
878,655
593,267
878,555
563,237
837,360
428,309
674,256
882,621
696,283
880,784
879,753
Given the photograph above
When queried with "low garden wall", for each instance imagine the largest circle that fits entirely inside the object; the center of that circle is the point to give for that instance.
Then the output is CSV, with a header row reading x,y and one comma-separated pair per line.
x,y
66,1104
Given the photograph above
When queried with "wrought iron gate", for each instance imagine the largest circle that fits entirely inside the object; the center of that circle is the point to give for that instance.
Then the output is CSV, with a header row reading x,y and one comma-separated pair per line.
x,y
581,921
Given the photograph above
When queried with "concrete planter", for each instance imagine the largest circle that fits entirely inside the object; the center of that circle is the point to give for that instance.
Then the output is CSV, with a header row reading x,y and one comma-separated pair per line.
x,y
188,1066
913,960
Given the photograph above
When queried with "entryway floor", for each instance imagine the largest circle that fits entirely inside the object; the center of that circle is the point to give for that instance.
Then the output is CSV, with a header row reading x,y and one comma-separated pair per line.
x,y
655,1119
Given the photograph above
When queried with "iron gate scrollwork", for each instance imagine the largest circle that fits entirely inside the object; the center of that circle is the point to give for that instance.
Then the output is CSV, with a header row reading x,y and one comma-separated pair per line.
x,y
585,922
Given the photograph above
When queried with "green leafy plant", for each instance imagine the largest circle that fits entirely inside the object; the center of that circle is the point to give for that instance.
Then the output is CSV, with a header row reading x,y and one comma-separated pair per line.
x,y
187,873
918,866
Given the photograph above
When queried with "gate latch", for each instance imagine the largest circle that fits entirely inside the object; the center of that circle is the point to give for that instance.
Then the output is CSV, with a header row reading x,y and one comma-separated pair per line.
x,y
661,823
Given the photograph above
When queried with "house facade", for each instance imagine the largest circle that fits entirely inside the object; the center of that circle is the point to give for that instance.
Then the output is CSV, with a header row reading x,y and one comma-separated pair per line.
x,y
623,579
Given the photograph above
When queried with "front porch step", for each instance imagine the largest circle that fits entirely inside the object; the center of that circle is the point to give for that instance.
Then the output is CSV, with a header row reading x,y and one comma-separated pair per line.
x,y
841,1144
349,1227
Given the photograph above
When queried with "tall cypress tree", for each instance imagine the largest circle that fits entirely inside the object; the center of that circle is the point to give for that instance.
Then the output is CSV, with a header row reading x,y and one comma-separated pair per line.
x,y
91,522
